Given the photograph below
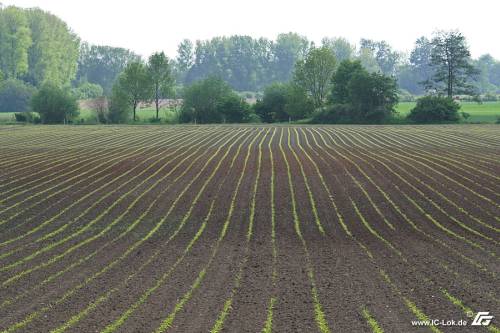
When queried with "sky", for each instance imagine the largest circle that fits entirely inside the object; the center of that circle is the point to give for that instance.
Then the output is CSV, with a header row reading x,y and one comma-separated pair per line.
x,y
148,26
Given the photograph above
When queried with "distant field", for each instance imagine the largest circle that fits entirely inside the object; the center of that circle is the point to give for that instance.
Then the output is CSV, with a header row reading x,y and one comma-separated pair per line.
x,y
487,112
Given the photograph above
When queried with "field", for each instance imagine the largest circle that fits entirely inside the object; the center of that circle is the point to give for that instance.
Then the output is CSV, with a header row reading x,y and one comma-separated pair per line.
x,y
487,112
248,228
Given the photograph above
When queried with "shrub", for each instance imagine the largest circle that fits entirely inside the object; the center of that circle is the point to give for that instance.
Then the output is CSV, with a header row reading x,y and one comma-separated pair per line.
x,y
27,117
15,96
282,101
435,109
21,117
333,114
203,99
55,105
234,109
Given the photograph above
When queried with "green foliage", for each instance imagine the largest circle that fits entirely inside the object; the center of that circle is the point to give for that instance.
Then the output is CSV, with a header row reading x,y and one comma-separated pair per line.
x,y
373,97
450,58
298,104
212,101
234,109
53,55
119,109
246,63
314,74
435,109
27,117
286,51
341,48
161,77
271,107
333,114
88,90
15,40
15,96
134,85
340,80
385,58
55,105
103,64
282,102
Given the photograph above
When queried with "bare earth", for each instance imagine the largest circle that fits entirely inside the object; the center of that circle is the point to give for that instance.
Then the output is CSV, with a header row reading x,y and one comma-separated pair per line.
x,y
248,228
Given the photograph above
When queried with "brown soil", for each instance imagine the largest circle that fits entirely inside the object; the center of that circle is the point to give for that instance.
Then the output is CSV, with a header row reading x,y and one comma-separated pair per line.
x,y
406,249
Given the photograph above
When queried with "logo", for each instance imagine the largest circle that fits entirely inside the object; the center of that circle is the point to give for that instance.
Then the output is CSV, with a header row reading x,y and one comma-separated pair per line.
x,y
482,319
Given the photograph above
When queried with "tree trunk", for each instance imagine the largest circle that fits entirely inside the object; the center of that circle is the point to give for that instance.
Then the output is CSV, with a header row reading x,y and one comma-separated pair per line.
x,y
157,100
135,107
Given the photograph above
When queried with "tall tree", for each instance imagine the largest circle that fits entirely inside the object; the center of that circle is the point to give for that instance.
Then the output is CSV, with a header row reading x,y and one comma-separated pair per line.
x,y
135,85
185,58
340,81
314,73
160,74
451,61
15,40
341,47
386,58
53,57
287,50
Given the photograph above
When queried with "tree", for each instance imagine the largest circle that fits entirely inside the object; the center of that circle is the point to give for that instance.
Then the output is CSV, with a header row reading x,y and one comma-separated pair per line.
x,y
53,56
202,101
135,84
287,50
298,104
15,96
119,107
386,58
420,59
272,106
373,96
450,58
185,58
15,40
54,104
283,102
435,109
341,47
161,77
234,109
340,80
103,64
314,74
487,68
367,59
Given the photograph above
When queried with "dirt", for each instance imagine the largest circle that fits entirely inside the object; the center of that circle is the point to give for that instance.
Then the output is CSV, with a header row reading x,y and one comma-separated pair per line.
x,y
388,242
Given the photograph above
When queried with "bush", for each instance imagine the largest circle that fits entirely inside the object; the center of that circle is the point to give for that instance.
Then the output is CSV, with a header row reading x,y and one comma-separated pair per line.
x,y
435,109
282,101
333,114
15,96
55,105
119,109
373,97
27,117
88,90
204,99
234,109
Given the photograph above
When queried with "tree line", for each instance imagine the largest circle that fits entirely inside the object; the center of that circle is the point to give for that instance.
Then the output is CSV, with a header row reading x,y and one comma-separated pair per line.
x,y
38,49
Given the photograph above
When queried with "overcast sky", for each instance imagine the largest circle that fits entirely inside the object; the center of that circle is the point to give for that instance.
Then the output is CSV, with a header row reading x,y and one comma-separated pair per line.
x,y
150,25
